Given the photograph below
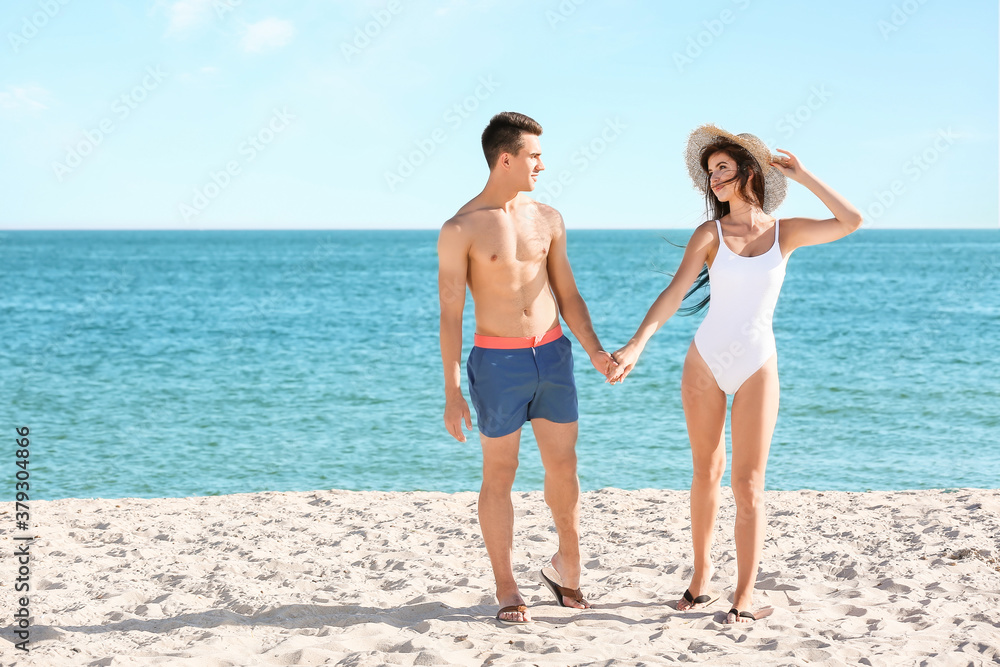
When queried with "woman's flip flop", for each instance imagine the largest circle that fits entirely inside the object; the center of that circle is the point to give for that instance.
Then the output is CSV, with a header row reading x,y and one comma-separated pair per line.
x,y
740,614
704,600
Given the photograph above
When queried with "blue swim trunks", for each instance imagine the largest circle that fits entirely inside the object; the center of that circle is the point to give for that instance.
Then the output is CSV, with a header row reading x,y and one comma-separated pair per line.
x,y
511,386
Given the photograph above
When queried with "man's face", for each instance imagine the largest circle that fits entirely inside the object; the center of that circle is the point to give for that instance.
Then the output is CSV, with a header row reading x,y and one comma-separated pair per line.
x,y
525,166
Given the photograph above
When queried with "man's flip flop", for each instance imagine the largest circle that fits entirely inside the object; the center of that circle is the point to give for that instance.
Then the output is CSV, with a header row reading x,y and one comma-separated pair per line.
x,y
558,591
704,600
514,608
740,614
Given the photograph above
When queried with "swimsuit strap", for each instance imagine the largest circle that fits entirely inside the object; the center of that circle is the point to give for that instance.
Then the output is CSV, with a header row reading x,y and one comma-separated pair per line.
x,y
722,243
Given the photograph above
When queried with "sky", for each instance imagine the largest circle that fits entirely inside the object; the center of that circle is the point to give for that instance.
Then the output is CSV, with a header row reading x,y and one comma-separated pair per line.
x,y
240,114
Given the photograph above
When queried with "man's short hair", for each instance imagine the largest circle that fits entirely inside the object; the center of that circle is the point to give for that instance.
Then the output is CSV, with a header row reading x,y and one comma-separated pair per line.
x,y
504,134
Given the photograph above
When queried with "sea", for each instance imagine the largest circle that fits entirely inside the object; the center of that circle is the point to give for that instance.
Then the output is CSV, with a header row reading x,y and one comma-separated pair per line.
x,y
191,363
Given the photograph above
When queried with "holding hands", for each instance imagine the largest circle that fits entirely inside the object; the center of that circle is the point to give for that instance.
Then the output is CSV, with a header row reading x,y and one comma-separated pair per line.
x,y
626,358
604,363
616,367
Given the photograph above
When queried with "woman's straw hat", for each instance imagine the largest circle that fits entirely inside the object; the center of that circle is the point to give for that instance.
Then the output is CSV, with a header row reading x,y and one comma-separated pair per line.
x,y
774,180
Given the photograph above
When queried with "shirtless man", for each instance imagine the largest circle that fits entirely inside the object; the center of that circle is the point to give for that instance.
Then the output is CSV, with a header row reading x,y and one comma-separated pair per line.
x,y
511,251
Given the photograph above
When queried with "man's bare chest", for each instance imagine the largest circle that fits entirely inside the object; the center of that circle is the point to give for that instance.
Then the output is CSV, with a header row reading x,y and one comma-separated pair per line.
x,y
509,247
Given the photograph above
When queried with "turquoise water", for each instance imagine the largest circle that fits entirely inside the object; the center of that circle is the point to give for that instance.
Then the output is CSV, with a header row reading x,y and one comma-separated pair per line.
x,y
191,363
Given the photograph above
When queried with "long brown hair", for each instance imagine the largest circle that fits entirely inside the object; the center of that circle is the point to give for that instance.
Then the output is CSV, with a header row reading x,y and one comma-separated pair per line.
x,y
750,189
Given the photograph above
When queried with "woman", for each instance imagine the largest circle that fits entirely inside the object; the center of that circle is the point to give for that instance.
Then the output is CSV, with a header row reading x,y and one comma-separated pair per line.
x,y
745,250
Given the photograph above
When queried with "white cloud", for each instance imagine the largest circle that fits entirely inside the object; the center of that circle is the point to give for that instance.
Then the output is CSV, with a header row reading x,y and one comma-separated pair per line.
x,y
23,97
186,15
267,35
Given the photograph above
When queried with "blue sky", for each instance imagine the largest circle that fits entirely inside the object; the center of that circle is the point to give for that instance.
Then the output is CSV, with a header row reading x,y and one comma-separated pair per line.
x,y
230,114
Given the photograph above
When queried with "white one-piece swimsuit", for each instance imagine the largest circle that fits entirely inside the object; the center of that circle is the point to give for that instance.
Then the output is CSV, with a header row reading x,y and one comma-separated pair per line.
x,y
735,338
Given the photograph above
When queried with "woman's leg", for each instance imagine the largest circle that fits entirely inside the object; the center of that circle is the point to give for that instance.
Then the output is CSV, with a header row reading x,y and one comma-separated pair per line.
x,y
705,414
755,411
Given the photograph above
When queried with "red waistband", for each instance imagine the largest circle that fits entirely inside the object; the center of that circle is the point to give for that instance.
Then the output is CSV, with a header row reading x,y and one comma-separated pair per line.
x,y
504,343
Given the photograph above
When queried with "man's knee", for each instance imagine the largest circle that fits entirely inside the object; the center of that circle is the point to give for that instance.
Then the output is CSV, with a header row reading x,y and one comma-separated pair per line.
x,y
561,463
499,473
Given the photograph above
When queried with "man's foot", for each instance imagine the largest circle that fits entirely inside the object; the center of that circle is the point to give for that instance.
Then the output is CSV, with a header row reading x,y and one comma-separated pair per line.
x,y
514,614
564,595
698,594
736,616
513,611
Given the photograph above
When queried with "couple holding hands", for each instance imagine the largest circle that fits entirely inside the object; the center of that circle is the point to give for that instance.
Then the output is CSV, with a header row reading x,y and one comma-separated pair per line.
x,y
511,253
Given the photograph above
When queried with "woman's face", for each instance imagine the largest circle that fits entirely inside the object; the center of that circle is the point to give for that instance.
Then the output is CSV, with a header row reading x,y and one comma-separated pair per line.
x,y
722,176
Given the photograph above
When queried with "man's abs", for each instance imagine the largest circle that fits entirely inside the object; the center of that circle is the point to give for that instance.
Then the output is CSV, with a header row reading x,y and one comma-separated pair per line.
x,y
512,306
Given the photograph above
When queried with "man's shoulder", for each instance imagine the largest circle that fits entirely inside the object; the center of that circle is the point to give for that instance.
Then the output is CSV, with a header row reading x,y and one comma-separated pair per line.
x,y
454,231
465,226
459,221
470,213
545,212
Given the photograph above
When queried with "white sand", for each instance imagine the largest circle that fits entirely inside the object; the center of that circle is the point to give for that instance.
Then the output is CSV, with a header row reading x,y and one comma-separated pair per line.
x,y
374,578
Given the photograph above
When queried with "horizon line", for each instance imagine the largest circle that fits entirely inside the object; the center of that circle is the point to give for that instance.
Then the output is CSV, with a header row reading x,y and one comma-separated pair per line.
x,y
411,229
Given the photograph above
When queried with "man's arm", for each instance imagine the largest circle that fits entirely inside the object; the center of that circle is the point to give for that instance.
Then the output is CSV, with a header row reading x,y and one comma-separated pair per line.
x,y
571,304
453,266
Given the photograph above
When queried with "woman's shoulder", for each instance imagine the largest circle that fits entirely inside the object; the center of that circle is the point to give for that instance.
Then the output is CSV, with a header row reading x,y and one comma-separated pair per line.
x,y
709,226
705,233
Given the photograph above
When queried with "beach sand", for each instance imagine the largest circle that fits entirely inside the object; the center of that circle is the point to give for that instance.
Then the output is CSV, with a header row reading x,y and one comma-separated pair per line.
x,y
374,578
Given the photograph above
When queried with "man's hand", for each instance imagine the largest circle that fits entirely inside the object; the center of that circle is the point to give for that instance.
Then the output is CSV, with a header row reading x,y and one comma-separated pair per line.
x,y
604,363
455,410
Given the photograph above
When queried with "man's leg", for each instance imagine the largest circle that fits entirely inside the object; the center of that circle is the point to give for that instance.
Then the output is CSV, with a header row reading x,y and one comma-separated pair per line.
x,y
496,516
557,445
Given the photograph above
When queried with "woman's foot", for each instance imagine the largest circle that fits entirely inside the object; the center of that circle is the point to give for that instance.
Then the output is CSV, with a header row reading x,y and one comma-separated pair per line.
x,y
689,601
698,594
735,616
739,613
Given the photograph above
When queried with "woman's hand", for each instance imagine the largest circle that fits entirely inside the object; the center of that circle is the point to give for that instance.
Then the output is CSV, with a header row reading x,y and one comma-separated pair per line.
x,y
626,358
790,166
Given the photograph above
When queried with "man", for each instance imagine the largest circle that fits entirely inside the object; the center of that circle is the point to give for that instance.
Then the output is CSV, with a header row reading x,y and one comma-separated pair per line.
x,y
511,251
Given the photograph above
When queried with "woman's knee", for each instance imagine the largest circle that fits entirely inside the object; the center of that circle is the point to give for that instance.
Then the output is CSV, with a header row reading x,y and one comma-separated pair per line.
x,y
748,491
710,470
